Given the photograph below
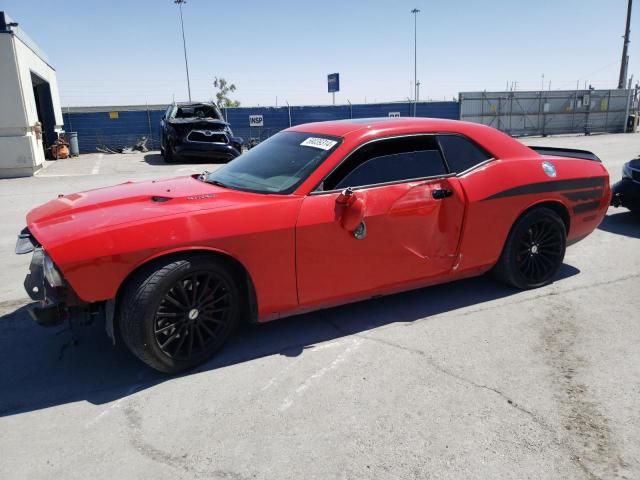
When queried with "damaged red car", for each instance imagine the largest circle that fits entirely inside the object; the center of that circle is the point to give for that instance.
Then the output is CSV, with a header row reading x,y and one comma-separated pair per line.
x,y
318,215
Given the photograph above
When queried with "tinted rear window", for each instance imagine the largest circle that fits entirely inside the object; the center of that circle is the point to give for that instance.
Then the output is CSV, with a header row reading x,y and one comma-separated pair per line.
x,y
461,153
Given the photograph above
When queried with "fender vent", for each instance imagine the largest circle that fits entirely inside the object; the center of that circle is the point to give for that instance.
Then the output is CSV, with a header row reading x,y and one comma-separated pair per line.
x,y
160,199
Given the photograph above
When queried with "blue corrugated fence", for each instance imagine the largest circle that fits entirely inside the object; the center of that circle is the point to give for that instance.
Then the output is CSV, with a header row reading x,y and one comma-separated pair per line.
x,y
123,126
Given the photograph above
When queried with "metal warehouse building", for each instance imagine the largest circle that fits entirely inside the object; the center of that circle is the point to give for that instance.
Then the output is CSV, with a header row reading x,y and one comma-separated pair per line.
x,y
30,116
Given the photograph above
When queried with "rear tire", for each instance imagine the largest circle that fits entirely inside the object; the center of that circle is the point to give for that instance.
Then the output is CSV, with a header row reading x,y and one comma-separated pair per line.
x,y
177,313
534,250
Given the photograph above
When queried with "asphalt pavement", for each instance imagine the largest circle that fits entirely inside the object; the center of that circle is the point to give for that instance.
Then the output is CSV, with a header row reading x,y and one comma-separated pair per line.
x,y
468,380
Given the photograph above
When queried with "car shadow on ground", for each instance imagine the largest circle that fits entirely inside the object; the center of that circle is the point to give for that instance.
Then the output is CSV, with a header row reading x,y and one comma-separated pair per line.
x,y
157,160
624,223
46,367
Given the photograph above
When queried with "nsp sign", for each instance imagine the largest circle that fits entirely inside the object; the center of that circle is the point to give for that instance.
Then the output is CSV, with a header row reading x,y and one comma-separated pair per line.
x,y
256,121
333,82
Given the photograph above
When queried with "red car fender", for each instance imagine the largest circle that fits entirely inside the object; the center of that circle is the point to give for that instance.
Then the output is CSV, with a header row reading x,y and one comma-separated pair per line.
x,y
199,248
186,249
183,249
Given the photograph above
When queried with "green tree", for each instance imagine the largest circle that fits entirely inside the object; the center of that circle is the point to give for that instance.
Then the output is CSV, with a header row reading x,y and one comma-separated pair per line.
x,y
222,95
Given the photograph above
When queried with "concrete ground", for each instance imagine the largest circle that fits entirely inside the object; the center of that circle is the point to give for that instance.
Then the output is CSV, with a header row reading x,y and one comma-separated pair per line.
x,y
467,380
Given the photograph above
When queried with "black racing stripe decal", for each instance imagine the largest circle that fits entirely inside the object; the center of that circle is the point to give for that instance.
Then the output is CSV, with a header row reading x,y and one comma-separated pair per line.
x,y
584,195
586,207
552,186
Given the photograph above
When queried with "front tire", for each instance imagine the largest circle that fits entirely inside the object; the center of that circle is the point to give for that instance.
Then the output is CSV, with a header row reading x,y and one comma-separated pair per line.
x,y
534,250
176,314
168,155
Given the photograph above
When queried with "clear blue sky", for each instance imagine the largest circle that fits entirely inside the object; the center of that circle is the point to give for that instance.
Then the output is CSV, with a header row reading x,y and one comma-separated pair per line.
x,y
129,52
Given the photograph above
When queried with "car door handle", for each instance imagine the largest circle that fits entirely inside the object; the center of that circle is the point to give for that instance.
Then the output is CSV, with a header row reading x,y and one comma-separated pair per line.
x,y
440,193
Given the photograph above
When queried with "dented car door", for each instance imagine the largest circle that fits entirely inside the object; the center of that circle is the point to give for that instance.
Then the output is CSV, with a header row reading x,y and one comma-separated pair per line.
x,y
356,242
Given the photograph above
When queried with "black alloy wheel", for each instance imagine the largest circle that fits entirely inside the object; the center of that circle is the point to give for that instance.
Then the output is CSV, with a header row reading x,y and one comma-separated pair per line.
x,y
192,316
176,312
534,250
540,250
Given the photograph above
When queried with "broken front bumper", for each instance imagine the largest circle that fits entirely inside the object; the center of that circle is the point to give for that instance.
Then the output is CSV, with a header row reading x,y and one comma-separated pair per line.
x,y
57,302
49,310
207,150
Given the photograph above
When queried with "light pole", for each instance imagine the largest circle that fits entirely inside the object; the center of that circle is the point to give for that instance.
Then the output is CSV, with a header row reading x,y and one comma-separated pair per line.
x,y
184,45
415,12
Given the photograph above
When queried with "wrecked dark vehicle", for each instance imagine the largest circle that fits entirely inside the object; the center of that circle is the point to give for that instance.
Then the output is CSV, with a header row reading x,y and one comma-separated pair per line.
x,y
197,131
626,192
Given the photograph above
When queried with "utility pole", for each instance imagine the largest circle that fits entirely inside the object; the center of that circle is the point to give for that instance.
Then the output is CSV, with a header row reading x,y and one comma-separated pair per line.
x,y
625,57
184,45
415,12
626,113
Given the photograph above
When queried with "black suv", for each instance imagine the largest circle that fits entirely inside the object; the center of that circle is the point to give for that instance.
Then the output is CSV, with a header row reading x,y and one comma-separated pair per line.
x,y
197,130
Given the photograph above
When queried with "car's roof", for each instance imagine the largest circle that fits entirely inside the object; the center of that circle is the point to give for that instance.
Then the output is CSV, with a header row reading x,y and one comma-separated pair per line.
x,y
340,128
499,144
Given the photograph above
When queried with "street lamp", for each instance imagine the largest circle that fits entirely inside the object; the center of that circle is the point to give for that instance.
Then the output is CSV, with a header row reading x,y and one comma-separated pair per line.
x,y
184,45
415,12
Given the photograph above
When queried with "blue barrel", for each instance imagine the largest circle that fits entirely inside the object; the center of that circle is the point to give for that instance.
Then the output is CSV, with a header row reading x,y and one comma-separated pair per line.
x,y
74,151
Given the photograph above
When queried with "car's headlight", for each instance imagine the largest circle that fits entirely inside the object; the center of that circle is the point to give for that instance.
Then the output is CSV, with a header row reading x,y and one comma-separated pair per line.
x,y
51,273
626,170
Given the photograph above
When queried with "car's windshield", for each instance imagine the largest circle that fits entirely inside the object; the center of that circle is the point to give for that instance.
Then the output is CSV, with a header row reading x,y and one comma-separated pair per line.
x,y
198,110
277,165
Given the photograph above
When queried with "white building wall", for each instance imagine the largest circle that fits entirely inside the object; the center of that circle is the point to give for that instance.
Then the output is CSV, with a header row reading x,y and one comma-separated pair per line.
x,y
21,152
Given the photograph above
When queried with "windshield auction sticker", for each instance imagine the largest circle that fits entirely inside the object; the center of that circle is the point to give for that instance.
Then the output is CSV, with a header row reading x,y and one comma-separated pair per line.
x,y
321,143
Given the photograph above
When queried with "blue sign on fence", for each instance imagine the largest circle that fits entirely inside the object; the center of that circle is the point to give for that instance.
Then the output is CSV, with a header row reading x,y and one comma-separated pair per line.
x,y
333,82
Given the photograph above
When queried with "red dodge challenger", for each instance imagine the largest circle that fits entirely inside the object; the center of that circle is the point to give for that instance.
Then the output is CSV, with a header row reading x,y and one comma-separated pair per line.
x,y
318,215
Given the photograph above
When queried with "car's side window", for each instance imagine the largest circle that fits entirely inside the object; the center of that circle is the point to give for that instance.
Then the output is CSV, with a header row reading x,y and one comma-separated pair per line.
x,y
389,160
461,153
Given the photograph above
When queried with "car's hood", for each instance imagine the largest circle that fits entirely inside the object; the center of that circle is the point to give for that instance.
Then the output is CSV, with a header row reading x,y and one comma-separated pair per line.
x,y
634,164
69,216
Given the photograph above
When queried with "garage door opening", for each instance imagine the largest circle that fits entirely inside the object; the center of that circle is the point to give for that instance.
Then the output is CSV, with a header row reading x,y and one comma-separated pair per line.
x,y
44,106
